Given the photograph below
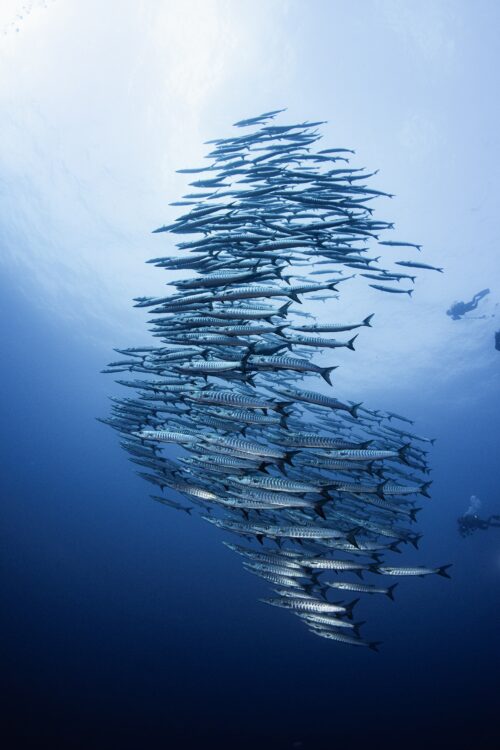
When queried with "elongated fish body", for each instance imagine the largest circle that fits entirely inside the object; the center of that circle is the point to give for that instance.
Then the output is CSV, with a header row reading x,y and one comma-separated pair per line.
x,y
347,454
248,313
308,440
389,488
391,243
206,339
275,483
229,462
283,570
344,638
271,557
333,328
172,504
288,363
305,605
356,489
389,570
270,501
328,564
246,330
328,621
301,532
319,399
278,580
391,289
250,292
245,504
360,588
412,264
331,464
192,489
271,496
245,446
164,436
209,366
321,343
392,507
229,398
250,417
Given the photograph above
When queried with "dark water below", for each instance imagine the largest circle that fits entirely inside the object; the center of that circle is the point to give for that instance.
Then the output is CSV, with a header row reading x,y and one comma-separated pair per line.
x,y
126,624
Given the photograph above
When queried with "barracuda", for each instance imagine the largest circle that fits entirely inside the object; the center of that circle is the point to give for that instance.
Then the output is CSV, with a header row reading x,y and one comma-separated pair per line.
x,y
265,454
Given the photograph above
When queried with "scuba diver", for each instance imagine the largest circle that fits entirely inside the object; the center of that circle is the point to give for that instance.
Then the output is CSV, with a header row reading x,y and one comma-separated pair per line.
x,y
470,521
459,309
467,525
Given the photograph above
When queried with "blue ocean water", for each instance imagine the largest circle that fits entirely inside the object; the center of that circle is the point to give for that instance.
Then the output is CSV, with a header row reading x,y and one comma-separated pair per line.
x,y
126,624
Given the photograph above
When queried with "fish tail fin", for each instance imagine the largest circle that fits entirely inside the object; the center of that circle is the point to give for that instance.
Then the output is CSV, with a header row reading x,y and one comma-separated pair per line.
x,y
442,571
353,411
350,343
359,573
295,297
333,285
403,452
282,311
367,320
374,645
415,540
280,329
350,606
263,467
424,489
413,514
394,547
318,508
351,538
380,489
390,591
278,270
326,373
409,292
288,457
356,626
282,405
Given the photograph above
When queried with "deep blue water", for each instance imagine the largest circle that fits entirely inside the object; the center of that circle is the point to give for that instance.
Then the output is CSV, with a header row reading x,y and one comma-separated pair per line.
x,y
127,624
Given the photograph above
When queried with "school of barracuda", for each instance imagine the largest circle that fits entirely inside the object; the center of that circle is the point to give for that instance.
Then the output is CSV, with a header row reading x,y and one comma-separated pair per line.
x,y
317,488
